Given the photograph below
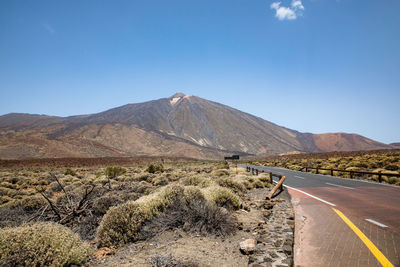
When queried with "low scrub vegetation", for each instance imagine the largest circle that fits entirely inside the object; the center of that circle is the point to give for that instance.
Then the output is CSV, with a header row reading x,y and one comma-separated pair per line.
x,y
42,244
112,206
385,162
153,168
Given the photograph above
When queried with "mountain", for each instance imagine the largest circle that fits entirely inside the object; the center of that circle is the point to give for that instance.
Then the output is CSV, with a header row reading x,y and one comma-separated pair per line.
x,y
180,125
395,145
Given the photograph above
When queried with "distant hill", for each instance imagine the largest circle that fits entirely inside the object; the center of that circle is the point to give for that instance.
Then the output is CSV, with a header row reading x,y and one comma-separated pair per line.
x,y
181,125
395,145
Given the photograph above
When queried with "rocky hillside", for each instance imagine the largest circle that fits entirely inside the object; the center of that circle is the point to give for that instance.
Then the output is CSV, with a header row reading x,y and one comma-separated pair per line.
x,y
180,125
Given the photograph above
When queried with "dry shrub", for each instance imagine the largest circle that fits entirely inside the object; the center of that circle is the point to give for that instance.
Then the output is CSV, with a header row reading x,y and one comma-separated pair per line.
x,y
42,244
391,167
222,197
16,212
192,193
8,185
121,224
102,204
230,183
258,184
5,199
220,172
30,203
393,180
240,170
157,181
196,181
69,171
196,216
54,187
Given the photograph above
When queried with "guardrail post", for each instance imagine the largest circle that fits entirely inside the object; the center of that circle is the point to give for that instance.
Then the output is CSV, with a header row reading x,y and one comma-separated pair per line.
x,y
351,175
278,185
270,177
256,171
306,169
380,177
316,170
331,172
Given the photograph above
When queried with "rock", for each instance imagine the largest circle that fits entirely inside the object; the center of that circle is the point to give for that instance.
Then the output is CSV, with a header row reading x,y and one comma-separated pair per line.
x,y
103,252
247,246
253,205
245,207
287,249
267,213
268,206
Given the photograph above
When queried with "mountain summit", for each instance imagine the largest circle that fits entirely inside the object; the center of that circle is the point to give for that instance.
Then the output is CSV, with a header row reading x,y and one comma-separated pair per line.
x,y
179,125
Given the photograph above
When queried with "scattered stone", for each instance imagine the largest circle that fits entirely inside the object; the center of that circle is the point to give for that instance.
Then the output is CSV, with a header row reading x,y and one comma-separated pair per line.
x,y
247,246
103,252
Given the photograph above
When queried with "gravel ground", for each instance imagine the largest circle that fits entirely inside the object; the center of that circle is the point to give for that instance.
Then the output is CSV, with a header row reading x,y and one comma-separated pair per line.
x,y
269,224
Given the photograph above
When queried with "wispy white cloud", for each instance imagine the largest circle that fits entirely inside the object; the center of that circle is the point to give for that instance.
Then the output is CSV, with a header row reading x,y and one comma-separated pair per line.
x,y
290,13
297,4
48,28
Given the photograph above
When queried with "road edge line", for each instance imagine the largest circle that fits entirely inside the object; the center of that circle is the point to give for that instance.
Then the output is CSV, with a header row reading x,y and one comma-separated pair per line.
x,y
317,198
375,251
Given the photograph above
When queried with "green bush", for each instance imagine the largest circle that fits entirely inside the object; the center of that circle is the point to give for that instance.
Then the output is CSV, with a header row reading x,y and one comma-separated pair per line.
x,y
112,172
222,197
121,224
42,244
153,168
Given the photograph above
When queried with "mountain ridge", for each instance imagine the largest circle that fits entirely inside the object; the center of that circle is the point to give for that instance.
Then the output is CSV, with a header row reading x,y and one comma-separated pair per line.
x,y
179,125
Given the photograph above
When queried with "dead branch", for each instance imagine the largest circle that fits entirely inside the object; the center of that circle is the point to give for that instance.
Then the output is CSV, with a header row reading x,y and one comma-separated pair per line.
x,y
53,207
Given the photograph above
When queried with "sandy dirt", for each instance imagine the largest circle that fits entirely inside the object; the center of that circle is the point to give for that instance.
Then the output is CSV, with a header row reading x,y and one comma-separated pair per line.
x,y
192,248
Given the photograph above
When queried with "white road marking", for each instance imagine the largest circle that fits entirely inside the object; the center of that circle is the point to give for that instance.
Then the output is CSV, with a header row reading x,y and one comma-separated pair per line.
x,y
377,223
299,177
317,198
340,186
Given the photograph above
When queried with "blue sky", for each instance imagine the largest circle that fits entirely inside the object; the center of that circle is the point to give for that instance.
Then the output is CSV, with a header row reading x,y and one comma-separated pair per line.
x,y
314,66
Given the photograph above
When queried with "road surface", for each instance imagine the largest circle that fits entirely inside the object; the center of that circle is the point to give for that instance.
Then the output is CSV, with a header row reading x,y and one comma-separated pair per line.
x,y
346,222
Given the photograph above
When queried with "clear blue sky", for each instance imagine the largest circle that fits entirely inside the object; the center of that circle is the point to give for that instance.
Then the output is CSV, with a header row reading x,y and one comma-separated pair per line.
x,y
314,66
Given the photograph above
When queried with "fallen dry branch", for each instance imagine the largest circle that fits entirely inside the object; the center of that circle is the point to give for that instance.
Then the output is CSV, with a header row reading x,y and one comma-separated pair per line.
x,y
64,213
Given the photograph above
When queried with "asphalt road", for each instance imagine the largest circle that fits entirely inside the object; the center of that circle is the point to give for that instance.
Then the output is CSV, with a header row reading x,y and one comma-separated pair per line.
x,y
366,200
372,206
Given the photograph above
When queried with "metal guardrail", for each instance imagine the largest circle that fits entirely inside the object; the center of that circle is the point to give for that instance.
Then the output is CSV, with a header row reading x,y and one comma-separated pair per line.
x,y
352,172
279,185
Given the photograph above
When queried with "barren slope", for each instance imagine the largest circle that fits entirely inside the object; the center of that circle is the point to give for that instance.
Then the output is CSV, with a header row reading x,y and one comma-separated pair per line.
x,y
176,126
